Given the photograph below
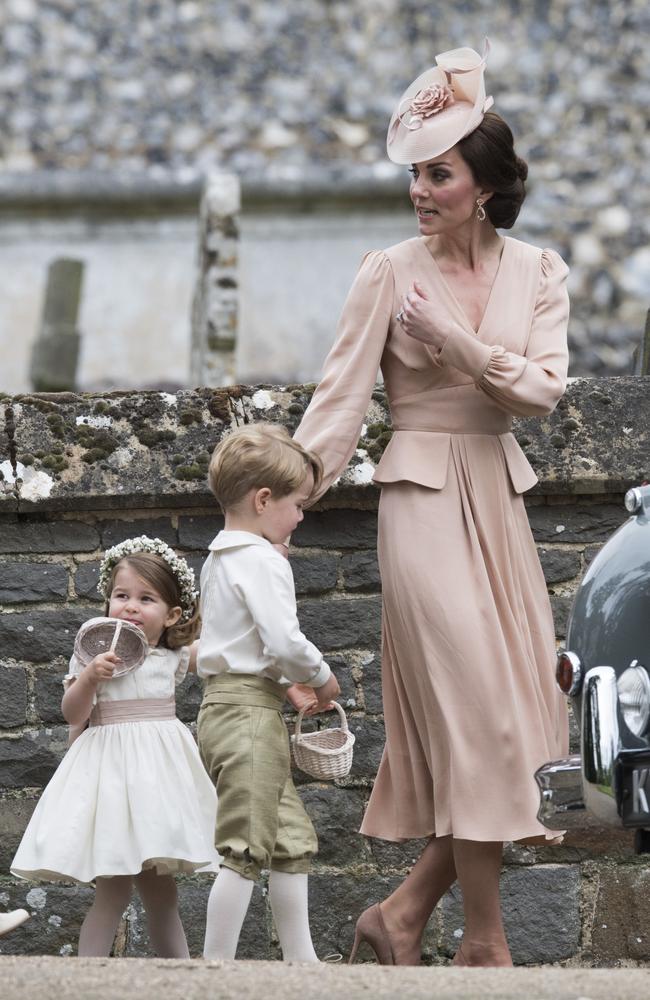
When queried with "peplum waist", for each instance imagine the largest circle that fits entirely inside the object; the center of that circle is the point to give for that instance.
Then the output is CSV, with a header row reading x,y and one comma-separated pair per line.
x,y
424,424
423,457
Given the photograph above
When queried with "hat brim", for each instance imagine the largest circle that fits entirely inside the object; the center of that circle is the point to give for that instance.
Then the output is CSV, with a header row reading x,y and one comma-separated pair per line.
x,y
442,130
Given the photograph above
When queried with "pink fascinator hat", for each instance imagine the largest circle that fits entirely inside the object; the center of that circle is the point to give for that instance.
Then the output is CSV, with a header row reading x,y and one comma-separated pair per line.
x,y
440,108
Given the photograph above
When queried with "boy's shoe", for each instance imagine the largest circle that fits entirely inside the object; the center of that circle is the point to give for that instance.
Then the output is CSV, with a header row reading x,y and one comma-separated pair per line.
x,y
8,921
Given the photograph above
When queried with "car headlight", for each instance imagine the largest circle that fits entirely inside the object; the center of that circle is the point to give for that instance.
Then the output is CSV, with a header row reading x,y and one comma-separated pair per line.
x,y
634,697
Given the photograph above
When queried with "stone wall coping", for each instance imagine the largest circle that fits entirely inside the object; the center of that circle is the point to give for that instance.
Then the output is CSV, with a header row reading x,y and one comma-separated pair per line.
x,y
72,451
67,190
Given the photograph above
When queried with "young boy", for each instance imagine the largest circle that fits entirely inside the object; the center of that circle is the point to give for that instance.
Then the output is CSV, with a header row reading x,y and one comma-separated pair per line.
x,y
250,651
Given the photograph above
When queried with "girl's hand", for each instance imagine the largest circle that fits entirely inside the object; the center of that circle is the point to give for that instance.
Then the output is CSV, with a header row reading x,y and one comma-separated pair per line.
x,y
101,668
302,698
421,320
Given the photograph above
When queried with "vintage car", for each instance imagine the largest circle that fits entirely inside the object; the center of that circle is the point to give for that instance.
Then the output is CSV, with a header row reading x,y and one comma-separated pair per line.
x,y
604,669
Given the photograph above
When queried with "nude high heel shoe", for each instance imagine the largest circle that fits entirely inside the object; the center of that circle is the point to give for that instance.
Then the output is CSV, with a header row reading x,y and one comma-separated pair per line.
x,y
371,928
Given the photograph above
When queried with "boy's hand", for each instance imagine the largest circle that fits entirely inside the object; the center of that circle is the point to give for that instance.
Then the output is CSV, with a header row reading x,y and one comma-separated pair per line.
x,y
302,698
326,694
102,667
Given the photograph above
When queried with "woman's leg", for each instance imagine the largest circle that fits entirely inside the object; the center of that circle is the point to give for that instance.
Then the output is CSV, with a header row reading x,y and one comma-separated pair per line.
x,y
97,933
479,867
288,892
160,899
407,910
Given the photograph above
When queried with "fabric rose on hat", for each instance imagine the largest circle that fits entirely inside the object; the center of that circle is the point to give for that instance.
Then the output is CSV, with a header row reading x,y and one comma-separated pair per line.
x,y
429,102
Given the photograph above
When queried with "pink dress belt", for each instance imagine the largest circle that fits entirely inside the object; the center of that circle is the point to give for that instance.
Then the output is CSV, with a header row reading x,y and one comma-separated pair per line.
x,y
107,713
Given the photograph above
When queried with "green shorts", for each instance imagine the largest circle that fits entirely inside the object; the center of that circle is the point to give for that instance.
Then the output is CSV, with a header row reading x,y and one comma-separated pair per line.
x,y
244,746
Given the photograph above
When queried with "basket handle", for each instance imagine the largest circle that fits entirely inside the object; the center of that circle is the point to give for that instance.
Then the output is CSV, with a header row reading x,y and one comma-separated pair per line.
x,y
342,717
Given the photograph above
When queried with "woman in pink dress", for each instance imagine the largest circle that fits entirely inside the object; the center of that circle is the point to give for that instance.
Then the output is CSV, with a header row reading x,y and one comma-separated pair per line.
x,y
469,329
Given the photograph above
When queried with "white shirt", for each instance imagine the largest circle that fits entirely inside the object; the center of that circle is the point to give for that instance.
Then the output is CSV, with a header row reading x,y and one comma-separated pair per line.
x,y
248,607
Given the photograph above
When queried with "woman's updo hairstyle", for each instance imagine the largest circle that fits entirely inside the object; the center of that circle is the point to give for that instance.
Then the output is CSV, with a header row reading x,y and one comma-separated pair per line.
x,y
489,153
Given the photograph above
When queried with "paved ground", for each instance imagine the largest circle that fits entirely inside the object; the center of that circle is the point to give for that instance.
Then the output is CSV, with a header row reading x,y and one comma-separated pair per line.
x,y
110,979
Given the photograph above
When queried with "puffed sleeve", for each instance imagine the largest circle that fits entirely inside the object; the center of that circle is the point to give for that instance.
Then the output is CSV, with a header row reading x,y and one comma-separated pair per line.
x,y
333,420
532,384
74,669
183,663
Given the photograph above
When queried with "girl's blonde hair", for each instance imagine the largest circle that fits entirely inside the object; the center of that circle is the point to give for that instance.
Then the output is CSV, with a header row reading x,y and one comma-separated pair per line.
x,y
159,576
258,456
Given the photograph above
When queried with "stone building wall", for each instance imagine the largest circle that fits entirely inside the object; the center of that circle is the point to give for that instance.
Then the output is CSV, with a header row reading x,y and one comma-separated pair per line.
x,y
137,101
80,473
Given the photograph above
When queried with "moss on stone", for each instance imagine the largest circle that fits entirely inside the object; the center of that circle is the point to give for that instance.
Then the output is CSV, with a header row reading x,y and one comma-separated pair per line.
x,y
150,437
42,405
55,462
101,406
296,409
94,455
189,472
188,417
374,430
26,459
56,425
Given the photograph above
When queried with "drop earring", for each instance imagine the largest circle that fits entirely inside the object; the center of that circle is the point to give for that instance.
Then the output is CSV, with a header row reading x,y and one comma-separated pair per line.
x,y
480,211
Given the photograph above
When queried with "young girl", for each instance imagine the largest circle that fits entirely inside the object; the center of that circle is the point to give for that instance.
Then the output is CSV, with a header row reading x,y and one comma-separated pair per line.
x,y
130,803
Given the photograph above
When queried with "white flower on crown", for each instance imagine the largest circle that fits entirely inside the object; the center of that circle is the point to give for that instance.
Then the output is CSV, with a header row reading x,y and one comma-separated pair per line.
x,y
184,574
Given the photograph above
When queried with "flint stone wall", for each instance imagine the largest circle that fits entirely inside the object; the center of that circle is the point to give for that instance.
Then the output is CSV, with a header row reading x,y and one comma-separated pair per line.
x,y
125,102
83,472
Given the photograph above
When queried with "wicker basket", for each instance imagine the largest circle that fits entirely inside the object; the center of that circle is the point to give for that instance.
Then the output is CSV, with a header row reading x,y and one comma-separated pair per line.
x,y
103,635
326,753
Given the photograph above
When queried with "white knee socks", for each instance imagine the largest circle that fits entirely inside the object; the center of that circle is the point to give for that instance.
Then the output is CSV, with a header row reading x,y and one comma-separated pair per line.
x,y
288,894
227,906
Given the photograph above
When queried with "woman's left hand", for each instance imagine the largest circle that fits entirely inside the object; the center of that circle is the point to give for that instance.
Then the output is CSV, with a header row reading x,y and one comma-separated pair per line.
x,y
421,320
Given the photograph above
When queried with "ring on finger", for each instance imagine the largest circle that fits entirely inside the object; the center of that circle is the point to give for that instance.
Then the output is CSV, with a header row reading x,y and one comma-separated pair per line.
x,y
400,316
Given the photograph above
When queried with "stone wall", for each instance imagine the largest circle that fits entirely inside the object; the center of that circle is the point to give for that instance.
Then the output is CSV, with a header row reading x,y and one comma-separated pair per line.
x,y
137,101
80,473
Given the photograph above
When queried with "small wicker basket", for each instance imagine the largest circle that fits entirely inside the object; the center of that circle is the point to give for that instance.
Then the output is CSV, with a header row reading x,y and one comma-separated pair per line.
x,y
114,635
326,753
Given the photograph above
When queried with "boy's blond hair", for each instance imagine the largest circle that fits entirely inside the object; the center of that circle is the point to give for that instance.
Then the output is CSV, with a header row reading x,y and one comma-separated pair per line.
x,y
258,456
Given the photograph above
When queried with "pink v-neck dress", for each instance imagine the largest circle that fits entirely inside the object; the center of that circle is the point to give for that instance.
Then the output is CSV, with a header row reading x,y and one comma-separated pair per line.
x,y
470,703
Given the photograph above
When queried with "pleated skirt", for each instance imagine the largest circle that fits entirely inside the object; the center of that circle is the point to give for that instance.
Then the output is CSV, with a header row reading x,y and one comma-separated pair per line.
x,y
470,702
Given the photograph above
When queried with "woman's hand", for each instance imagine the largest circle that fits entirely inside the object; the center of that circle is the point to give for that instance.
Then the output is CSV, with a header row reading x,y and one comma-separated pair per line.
x,y
421,320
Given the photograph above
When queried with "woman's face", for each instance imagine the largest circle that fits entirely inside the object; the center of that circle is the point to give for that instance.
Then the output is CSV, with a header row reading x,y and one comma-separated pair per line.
x,y
444,193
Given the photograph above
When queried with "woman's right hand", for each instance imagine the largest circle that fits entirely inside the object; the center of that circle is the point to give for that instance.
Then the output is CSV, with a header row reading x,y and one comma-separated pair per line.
x,y
101,668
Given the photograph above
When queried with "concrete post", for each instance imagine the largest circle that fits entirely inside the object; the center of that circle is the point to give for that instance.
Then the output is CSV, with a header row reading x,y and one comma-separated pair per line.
x,y
55,352
215,304
642,351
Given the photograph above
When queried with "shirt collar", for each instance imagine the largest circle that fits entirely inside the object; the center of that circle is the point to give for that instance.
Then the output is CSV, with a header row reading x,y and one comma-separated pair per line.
x,y
236,539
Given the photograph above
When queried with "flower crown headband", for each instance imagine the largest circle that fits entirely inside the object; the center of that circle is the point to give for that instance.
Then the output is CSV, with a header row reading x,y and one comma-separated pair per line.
x,y
183,573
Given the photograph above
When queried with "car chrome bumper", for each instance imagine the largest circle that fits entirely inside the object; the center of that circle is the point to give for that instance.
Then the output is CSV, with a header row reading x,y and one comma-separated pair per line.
x,y
581,791
601,744
562,805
